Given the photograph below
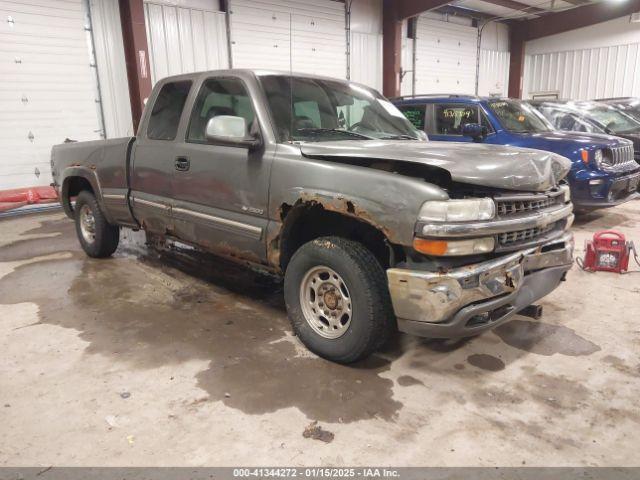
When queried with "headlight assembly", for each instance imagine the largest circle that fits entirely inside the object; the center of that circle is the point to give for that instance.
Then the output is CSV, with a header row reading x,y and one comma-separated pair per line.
x,y
466,210
566,193
597,158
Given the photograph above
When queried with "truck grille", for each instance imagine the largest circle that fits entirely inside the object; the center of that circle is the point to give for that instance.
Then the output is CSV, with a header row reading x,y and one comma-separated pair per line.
x,y
526,203
521,236
619,156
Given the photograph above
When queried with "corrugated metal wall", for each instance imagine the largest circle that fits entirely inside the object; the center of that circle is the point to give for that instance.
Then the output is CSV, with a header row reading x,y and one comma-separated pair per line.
x,y
305,35
494,73
585,74
183,40
47,87
112,68
366,59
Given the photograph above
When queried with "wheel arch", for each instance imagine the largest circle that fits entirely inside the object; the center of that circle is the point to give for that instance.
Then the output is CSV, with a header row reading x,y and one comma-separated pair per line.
x,y
311,218
75,181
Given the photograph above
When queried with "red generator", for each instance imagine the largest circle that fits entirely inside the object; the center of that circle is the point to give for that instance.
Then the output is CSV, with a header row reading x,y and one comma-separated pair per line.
x,y
608,252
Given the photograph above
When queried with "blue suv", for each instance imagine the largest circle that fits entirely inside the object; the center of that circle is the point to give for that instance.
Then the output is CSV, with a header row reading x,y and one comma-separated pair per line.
x,y
604,172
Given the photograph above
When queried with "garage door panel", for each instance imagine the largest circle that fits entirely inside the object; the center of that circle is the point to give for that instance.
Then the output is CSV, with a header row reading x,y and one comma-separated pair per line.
x,y
307,36
47,92
322,9
445,57
30,22
42,32
10,41
43,7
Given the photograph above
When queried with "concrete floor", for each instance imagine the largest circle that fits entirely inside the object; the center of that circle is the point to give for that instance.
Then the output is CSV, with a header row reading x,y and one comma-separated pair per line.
x,y
138,360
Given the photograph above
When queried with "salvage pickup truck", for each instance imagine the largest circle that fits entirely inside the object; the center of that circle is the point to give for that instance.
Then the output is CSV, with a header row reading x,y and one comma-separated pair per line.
x,y
325,182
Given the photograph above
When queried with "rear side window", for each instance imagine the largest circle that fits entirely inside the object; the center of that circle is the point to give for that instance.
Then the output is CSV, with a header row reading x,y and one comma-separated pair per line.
x,y
219,96
451,118
565,120
415,114
165,116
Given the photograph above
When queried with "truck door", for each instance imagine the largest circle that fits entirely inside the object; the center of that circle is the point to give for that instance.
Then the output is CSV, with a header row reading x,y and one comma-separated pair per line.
x,y
221,192
154,158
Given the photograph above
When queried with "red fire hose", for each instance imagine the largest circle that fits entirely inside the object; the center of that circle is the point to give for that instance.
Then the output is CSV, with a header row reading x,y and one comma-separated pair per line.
x,y
19,197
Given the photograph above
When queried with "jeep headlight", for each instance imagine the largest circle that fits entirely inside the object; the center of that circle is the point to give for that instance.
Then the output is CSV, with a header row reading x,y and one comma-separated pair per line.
x,y
597,158
466,210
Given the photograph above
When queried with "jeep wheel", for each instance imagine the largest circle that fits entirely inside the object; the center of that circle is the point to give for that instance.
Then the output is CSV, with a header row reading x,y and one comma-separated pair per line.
x,y
337,299
98,237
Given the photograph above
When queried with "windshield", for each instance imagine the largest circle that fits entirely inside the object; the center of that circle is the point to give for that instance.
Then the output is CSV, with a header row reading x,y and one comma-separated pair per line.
x,y
611,119
325,110
631,108
519,117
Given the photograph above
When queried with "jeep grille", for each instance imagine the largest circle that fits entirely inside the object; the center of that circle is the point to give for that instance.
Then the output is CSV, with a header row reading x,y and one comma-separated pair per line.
x,y
617,156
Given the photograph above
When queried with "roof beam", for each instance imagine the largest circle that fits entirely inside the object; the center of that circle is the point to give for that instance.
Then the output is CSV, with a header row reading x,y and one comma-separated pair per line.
x,y
559,22
410,8
464,12
519,6
577,3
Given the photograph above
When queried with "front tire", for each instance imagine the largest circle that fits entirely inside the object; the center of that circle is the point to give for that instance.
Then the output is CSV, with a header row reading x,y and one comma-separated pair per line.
x,y
338,300
98,238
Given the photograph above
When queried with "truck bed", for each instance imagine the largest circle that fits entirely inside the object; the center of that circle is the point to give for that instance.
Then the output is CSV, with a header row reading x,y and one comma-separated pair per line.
x,y
104,164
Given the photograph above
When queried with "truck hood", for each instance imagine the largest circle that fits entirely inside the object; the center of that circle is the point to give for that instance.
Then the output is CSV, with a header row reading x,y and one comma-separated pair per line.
x,y
580,139
493,166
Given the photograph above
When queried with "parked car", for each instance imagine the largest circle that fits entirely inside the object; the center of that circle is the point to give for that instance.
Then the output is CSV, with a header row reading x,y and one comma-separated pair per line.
x,y
603,172
592,117
326,183
628,105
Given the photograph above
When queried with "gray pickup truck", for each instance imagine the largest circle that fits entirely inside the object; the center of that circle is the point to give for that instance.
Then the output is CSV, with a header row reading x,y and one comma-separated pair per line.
x,y
325,182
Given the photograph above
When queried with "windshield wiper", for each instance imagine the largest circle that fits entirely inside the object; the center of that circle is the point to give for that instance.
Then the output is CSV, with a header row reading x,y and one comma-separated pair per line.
x,y
402,136
318,130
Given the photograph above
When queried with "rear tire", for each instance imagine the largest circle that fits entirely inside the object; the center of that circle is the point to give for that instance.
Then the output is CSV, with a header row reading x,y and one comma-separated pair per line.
x,y
98,238
338,300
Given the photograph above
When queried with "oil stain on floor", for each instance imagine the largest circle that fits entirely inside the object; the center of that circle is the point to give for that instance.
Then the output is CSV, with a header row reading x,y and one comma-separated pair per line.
x,y
486,362
544,338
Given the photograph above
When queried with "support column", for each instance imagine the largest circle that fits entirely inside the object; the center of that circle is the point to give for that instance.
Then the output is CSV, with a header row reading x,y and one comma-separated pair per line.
x,y
391,50
516,61
136,54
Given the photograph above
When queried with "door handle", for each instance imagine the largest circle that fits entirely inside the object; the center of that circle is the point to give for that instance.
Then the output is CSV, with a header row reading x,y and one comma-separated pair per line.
x,y
182,164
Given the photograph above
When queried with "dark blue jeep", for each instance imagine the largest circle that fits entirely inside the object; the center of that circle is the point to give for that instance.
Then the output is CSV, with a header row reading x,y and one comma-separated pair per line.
x,y
604,172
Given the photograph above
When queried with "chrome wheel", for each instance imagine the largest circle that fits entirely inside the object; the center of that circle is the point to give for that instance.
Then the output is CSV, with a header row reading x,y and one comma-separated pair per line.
x,y
87,224
326,302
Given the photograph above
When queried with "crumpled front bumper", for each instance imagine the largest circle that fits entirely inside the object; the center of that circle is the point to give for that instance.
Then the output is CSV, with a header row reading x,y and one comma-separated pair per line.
x,y
468,300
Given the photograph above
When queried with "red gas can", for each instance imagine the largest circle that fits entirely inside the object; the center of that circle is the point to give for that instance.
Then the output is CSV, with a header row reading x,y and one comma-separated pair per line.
x,y
608,251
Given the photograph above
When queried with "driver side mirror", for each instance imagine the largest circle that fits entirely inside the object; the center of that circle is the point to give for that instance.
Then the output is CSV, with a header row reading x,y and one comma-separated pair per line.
x,y
475,131
231,131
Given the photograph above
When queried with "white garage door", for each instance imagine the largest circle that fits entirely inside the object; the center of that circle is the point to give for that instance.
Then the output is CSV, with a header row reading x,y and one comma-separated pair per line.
x,y
47,89
184,40
305,35
445,57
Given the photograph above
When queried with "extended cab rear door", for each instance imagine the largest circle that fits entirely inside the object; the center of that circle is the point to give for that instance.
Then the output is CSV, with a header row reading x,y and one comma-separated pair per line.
x,y
155,154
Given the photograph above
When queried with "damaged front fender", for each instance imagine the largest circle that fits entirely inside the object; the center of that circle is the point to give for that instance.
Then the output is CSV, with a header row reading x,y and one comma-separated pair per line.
x,y
388,202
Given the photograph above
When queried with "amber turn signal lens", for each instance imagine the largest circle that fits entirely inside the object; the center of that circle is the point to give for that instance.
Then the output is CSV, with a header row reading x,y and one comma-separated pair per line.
x,y
430,247
585,157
